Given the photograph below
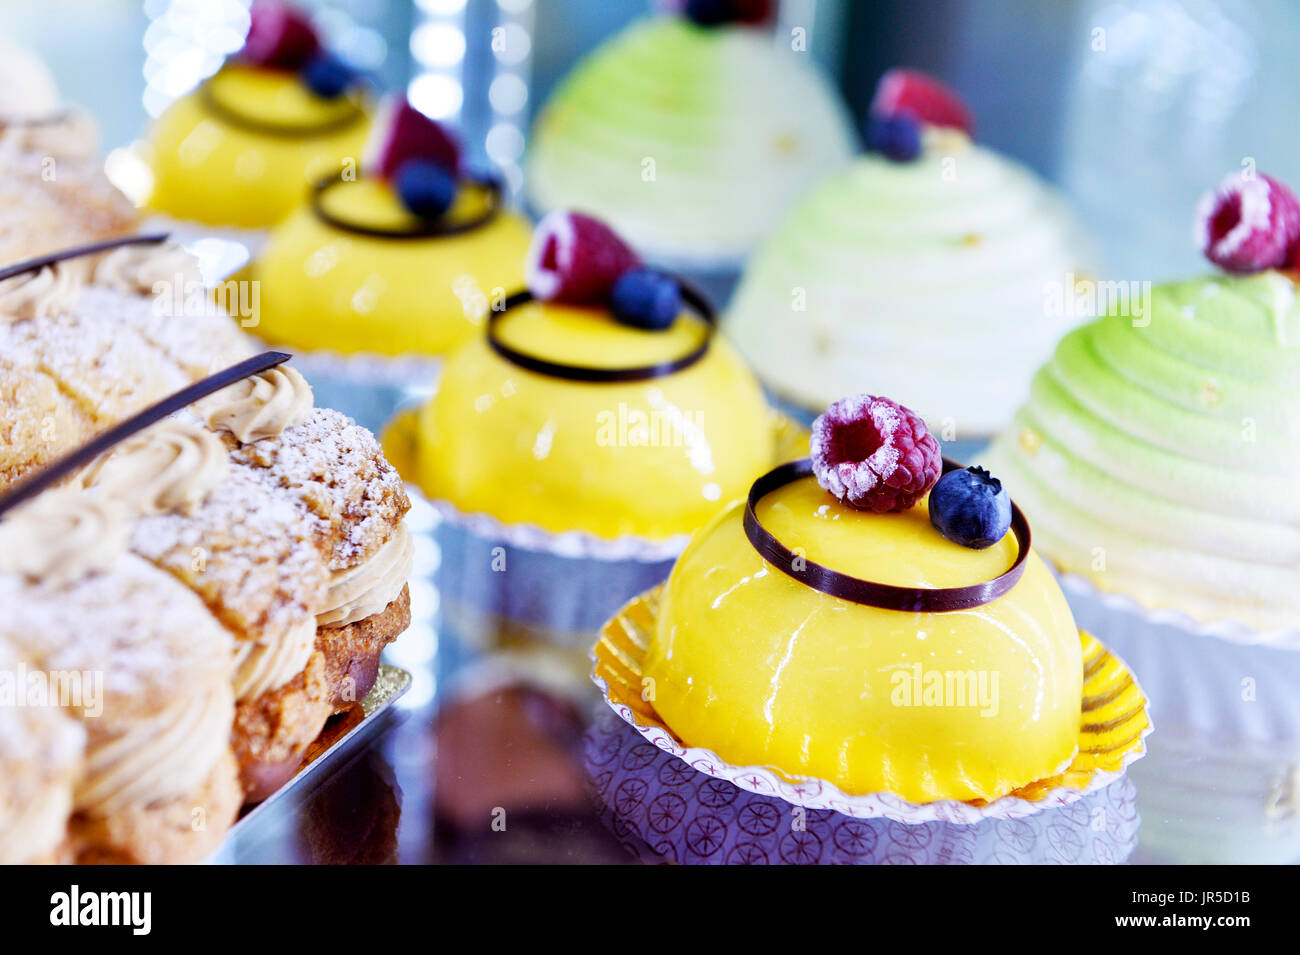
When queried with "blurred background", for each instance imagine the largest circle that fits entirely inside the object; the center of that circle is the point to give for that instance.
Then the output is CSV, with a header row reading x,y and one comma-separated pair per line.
x,y
1134,107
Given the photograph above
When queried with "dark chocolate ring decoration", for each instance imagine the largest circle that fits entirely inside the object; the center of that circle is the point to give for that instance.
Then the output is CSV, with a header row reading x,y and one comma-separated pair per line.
x,y
866,592
586,373
76,252
78,458
282,130
427,229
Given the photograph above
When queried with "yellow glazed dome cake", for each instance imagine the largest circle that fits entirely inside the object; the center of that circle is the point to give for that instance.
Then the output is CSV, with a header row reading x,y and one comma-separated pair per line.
x,y
369,265
595,425
243,149
869,642
764,670
567,418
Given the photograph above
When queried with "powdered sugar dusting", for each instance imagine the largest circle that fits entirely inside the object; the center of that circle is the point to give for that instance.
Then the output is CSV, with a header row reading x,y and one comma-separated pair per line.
x,y
246,552
338,476
150,637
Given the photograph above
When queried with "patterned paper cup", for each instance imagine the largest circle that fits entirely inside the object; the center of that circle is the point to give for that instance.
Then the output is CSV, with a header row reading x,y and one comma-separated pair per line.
x,y
1112,735
663,810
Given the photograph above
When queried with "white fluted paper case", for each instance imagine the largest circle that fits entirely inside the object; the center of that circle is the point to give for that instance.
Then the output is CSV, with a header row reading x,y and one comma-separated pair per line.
x,y
501,581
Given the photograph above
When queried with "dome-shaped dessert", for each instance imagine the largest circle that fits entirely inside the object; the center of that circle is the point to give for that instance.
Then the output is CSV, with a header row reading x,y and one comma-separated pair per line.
x,y
929,277
654,457
756,665
355,269
601,400
1157,453
27,88
244,148
692,141
53,190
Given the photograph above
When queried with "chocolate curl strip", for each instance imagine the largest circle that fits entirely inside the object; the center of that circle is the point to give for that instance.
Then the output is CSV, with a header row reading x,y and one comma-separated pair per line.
x,y
73,461
76,252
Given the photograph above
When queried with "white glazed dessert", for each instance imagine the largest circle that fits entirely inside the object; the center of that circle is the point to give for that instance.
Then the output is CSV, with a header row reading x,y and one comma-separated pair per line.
x,y
690,141
921,278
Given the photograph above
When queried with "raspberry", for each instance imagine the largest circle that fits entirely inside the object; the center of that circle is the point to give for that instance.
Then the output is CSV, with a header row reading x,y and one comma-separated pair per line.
x,y
1248,225
874,454
576,259
913,93
401,133
279,36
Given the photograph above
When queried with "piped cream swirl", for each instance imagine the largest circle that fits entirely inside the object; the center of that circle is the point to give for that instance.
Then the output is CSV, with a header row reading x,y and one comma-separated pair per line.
x,y
261,406
364,590
146,268
51,291
261,667
172,467
62,536
158,758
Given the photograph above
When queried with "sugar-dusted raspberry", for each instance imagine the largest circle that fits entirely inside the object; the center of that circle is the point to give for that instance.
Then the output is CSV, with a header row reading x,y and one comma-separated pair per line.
x,y
874,454
902,92
1248,225
576,259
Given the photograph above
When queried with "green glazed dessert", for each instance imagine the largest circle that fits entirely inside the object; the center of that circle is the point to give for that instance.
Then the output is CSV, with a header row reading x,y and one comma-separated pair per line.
x,y
1158,450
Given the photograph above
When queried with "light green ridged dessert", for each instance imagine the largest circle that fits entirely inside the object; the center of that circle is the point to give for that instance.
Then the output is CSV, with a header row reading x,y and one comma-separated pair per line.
x,y
931,280
1157,455
690,141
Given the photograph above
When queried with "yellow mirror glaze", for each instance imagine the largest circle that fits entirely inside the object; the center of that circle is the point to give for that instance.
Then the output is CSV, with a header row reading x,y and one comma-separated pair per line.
x,y
652,458
324,287
764,670
207,169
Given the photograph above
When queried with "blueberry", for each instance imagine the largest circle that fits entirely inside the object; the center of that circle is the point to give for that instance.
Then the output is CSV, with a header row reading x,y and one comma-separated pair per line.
x,y
896,137
970,508
425,188
644,298
327,75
